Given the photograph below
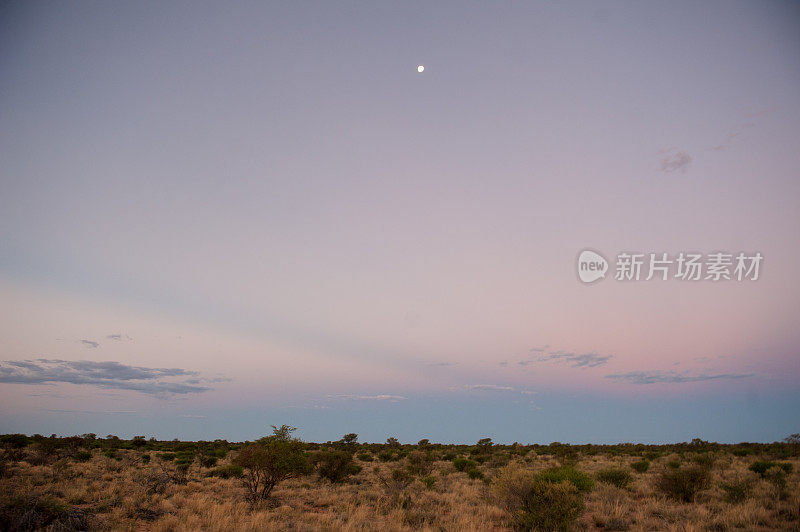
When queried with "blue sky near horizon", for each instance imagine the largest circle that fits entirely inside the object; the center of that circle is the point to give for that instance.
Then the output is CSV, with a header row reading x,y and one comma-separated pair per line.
x,y
217,217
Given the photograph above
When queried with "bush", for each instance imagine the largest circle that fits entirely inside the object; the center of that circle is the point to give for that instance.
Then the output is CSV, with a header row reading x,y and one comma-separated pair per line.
x,y
14,441
704,460
777,477
428,481
226,471
208,460
641,466
36,513
184,457
111,453
762,466
534,503
395,484
616,477
335,465
737,489
420,463
387,456
683,484
580,480
83,456
463,464
364,457
146,458
474,473
271,460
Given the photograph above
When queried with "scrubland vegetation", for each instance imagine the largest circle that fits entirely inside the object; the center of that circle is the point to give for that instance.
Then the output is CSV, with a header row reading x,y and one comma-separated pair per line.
x,y
281,483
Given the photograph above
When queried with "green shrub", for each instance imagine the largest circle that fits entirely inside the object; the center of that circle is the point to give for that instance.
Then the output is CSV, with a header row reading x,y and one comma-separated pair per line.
x,y
364,457
387,456
420,463
641,466
335,465
83,456
777,477
184,456
39,513
684,483
14,441
674,464
474,473
704,460
580,480
737,489
762,466
428,481
536,504
146,458
111,453
208,460
463,464
226,471
167,456
616,477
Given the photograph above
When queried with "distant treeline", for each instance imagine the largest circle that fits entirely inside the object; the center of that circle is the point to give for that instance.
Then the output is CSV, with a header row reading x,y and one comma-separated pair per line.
x,y
393,450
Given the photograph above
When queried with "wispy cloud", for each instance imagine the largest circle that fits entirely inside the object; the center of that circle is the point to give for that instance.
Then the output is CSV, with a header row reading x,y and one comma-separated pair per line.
x,y
674,160
379,397
577,360
119,337
114,412
656,377
111,375
493,387
737,130
90,343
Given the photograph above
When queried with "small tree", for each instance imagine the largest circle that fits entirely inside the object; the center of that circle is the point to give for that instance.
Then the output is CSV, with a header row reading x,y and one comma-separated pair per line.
x,y
351,438
271,460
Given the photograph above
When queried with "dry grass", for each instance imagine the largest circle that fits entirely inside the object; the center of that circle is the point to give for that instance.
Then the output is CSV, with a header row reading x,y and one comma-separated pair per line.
x,y
118,495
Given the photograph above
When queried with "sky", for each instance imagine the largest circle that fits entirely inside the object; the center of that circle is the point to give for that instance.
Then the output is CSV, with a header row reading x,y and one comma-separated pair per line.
x,y
217,217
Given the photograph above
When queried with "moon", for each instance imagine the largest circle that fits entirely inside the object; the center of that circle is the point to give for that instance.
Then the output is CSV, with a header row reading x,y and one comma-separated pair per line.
x,y
420,69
